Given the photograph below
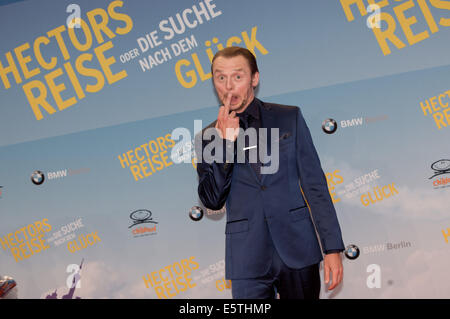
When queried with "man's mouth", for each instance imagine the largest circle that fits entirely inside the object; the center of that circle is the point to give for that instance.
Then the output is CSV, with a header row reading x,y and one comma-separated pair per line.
x,y
234,99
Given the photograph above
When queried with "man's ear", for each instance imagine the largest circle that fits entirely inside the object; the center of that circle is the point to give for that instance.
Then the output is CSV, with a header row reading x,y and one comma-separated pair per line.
x,y
255,79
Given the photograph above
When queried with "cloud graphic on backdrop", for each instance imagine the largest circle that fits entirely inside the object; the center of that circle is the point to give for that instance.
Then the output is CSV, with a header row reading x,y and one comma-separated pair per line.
x,y
411,203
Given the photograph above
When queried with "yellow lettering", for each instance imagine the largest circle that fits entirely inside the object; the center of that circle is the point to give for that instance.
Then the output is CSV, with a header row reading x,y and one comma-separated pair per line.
x,y
381,4
40,100
136,172
388,34
428,16
440,101
440,4
101,25
144,168
16,253
251,44
62,46
447,116
87,32
439,119
426,108
406,23
188,280
199,68
130,157
120,17
74,79
348,12
11,68
446,235
190,74
166,286
106,63
160,292
23,61
231,41
37,52
164,158
364,200
123,160
57,89
147,279
90,73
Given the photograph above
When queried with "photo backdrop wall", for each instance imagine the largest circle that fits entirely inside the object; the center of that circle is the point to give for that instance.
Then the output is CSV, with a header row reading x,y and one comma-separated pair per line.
x,y
93,201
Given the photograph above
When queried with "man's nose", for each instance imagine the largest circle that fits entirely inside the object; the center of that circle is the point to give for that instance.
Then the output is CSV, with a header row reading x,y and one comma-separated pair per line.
x,y
229,84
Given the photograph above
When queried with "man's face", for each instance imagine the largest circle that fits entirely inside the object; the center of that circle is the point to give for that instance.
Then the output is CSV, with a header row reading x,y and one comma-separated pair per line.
x,y
233,76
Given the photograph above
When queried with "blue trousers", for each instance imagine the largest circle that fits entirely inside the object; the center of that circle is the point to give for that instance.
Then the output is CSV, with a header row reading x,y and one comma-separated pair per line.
x,y
289,283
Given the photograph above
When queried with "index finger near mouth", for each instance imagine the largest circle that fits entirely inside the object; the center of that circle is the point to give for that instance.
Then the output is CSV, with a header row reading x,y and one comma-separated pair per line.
x,y
223,113
227,102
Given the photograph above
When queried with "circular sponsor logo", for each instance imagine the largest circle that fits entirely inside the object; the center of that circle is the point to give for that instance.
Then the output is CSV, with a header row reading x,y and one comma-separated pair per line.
x,y
441,165
37,177
196,213
329,126
352,252
141,215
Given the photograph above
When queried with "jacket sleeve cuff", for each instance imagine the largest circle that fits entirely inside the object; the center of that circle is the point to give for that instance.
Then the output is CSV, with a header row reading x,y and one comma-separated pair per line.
x,y
332,251
229,154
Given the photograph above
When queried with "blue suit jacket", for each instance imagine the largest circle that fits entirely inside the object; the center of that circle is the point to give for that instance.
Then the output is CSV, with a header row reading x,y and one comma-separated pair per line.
x,y
281,208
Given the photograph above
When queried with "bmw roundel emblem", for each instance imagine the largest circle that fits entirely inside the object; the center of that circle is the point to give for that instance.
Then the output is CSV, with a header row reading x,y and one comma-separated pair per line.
x,y
329,126
196,213
352,252
37,177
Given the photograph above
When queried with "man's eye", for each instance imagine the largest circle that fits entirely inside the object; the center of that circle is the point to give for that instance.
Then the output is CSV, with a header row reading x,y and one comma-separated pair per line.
x,y
221,77
238,77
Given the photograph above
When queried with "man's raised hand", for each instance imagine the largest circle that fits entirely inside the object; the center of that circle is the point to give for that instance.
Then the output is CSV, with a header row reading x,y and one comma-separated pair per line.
x,y
227,123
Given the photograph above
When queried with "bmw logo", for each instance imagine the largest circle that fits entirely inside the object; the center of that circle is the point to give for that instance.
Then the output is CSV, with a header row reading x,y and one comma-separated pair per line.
x,y
196,213
352,252
329,126
37,177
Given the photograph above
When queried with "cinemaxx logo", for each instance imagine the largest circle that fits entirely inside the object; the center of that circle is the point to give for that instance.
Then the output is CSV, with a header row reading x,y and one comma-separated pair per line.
x,y
139,217
440,167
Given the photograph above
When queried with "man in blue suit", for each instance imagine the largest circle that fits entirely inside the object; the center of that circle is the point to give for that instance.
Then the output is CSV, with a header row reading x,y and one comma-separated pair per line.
x,y
273,220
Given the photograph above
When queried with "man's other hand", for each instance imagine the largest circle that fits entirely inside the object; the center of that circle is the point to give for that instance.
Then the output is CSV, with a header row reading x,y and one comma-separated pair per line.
x,y
333,263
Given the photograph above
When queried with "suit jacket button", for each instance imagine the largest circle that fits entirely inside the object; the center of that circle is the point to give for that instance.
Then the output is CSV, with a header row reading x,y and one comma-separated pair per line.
x,y
263,188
